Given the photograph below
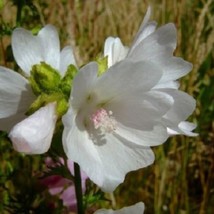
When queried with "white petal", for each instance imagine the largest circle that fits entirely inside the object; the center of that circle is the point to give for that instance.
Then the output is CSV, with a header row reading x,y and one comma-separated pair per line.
x,y
140,110
49,41
27,49
109,42
12,85
183,106
83,84
146,17
115,50
158,48
169,84
185,128
107,168
153,137
78,147
171,132
15,98
119,157
125,77
34,134
159,44
173,68
144,31
66,59
134,209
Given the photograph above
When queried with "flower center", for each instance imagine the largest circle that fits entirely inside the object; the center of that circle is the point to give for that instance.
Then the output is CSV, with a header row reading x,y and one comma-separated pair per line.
x,y
104,120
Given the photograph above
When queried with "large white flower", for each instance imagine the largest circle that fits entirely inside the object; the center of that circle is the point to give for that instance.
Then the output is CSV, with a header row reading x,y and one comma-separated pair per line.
x,y
134,209
157,46
15,91
113,120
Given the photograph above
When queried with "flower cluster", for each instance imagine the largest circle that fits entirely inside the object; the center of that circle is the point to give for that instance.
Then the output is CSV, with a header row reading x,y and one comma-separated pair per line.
x,y
111,118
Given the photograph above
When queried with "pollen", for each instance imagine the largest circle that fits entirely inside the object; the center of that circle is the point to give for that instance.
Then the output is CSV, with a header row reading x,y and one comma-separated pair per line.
x,y
104,121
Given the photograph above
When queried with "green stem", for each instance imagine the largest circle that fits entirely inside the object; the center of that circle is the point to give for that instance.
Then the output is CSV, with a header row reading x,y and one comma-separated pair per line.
x,y
20,4
78,188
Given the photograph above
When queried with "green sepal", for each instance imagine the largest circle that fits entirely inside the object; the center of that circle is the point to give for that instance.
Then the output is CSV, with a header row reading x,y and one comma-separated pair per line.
x,y
44,78
92,197
102,65
44,99
62,107
36,29
66,81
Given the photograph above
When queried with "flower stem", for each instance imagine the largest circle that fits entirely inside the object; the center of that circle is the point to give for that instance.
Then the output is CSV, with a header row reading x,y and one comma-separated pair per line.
x,y
20,4
78,189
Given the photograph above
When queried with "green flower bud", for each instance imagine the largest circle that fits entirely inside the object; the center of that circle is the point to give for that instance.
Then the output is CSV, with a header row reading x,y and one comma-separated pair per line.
x,y
66,81
44,78
49,87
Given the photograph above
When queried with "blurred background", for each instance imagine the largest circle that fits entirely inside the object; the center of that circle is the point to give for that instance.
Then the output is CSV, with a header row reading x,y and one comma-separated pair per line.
x,y
181,181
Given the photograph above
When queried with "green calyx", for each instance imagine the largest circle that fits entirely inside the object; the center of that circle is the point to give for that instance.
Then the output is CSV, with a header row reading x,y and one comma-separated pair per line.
x,y
44,78
49,87
66,81
102,65
44,99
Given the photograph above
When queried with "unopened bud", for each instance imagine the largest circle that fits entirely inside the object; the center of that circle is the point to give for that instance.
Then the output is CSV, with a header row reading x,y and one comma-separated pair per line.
x,y
44,78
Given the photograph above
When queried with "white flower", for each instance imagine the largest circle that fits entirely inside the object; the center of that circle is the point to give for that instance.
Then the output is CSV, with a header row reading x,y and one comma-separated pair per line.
x,y
30,50
113,120
33,135
134,209
15,91
157,46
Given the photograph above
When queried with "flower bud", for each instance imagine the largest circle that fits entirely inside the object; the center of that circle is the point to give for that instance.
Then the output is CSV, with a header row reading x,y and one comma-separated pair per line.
x,y
34,134
44,78
66,81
